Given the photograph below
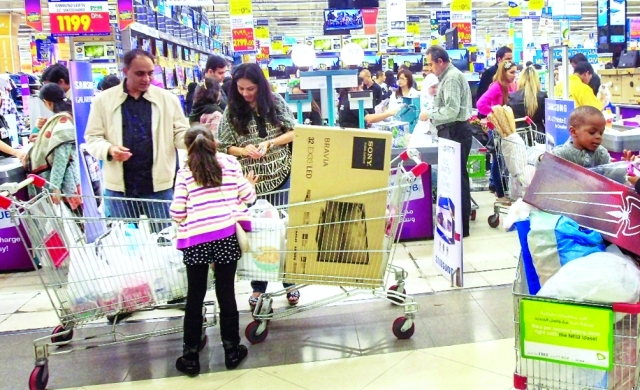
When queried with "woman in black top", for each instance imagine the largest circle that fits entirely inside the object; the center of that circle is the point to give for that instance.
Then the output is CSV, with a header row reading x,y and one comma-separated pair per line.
x,y
188,100
529,99
315,116
349,117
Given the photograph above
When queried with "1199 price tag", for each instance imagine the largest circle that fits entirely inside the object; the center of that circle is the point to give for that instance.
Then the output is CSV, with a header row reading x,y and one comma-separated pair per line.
x,y
85,23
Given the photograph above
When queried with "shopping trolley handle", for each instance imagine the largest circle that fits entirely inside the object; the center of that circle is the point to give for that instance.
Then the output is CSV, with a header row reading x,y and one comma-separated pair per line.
x,y
10,189
628,308
414,155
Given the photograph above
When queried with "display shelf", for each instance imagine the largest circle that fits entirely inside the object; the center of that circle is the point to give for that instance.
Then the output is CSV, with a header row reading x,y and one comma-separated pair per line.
x,y
153,33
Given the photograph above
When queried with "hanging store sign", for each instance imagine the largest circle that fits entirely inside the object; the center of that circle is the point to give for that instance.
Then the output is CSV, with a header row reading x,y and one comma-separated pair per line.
x,y
464,32
242,33
243,39
397,16
79,18
261,32
370,19
461,17
33,14
566,9
413,25
125,14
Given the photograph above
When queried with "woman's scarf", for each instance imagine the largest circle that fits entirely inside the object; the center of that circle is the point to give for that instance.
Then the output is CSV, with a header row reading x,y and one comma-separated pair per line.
x,y
58,130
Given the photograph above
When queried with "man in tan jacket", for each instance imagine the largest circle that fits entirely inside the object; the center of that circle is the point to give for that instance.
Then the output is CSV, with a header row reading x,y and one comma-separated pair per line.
x,y
135,129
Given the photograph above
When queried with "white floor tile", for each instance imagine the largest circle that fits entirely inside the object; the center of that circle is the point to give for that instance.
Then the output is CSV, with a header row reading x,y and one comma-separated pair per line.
x,y
34,320
10,303
500,277
259,379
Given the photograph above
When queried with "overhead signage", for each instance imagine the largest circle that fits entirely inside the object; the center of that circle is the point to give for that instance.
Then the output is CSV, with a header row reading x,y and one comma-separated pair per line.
x,y
33,14
79,18
566,9
396,16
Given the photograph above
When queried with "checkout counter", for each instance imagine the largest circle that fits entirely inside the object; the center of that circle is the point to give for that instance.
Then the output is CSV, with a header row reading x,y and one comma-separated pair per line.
x,y
623,135
13,254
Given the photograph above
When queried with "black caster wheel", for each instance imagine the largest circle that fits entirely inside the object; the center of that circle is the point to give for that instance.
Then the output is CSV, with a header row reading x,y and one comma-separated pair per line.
x,y
250,333
396,298
61,338
473,215
494,220
39,378
397,329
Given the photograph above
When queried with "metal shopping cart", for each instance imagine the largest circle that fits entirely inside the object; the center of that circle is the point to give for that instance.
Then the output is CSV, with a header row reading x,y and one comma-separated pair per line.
x,y
517,155
345,241
129,265
477,169
548,364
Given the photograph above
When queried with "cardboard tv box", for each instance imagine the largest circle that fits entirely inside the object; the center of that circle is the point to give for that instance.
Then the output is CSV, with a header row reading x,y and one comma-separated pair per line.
x,y
338,241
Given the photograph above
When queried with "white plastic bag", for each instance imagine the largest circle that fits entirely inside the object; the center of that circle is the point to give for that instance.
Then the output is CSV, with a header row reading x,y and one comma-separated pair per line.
x,y
423,134
166,272
267,241
606,277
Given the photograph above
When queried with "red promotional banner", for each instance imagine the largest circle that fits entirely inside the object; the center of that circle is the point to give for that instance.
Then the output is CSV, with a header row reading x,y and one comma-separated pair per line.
x,y
263,54
370,19
33,14
80,24
243,39
464,32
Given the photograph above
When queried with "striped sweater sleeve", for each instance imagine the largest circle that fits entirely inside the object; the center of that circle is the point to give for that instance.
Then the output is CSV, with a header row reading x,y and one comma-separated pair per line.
x,y
179,205
246,191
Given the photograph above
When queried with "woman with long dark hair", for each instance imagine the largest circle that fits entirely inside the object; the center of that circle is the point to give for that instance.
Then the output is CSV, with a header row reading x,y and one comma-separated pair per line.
x,y
257,127
54,155
190,98
315,116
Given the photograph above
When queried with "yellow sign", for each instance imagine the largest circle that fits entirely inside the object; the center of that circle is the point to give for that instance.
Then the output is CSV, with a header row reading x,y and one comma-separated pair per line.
x,y
5,24
240,7
413,28
514,12
277,47
536,5
261,32
461,5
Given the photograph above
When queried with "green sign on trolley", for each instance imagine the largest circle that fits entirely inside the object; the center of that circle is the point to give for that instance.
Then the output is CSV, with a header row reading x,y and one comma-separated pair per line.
x,y
568,334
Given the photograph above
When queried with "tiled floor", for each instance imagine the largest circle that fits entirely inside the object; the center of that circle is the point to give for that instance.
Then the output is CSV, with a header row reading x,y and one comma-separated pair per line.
x,y
353,339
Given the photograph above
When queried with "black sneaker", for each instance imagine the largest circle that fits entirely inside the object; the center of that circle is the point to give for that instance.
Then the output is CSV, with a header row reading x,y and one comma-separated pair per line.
x,y
233,357
189,362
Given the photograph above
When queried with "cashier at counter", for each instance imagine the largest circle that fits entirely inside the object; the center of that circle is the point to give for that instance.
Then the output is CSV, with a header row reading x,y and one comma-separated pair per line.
x,y
5,142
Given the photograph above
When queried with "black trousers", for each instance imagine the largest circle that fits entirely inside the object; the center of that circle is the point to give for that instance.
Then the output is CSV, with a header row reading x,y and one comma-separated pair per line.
x,y
461,132
225,275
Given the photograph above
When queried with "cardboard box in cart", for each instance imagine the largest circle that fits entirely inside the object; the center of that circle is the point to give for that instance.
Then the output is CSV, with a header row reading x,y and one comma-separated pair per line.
x,y
321,246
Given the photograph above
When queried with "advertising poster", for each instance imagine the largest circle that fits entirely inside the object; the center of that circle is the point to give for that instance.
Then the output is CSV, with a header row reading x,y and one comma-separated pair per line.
x,y
557,114
447,251
33,14
397,16
418,221
440,23
79,18
573,335
82,90
125,14
12,250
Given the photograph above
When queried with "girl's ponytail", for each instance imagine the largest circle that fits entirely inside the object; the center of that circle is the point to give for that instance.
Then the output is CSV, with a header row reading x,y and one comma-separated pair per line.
x,y
202,160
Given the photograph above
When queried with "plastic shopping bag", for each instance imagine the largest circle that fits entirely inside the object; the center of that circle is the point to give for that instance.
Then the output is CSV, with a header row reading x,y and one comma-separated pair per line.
x,y
606,277
267,241
575,242
166,272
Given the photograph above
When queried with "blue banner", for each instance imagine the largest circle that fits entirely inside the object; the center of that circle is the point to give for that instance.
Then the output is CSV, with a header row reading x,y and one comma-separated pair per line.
x,y
82,90
557,114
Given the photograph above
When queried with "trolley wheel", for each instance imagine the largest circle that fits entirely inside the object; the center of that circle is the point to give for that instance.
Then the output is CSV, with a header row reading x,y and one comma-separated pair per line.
x,y
473,215
61,338
250,333
494,220
397,329
395,298
39,378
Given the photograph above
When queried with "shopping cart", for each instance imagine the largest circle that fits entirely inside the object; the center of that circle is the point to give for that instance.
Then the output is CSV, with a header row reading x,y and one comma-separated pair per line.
x,y
477,169
517,155
551,369
346,241
131,265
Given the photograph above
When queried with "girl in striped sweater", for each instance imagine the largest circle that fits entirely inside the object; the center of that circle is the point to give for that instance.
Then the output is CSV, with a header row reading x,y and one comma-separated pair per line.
x,y
210,196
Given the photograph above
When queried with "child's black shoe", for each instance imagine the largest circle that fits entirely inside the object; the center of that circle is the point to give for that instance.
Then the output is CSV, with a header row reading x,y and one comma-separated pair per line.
x,y
189,362
234,356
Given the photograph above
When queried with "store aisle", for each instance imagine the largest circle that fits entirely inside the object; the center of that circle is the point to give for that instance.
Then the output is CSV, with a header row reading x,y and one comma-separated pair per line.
x,y
483,366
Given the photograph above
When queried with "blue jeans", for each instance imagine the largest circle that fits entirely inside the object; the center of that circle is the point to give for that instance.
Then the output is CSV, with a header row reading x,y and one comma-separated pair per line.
x,y
496,177
157,208
277,199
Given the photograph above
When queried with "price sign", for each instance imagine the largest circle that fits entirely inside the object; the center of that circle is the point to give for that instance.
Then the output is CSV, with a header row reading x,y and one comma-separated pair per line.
x,y
461,6
75,18
464,31
240,8
262,32
243,39
536,5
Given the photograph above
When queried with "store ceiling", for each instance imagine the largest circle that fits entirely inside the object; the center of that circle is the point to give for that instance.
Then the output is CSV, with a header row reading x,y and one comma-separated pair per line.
x,y
306,18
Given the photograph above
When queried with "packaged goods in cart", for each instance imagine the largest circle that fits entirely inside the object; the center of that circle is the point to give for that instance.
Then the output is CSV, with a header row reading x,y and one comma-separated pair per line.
x,y
400,132
593,201
344,236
